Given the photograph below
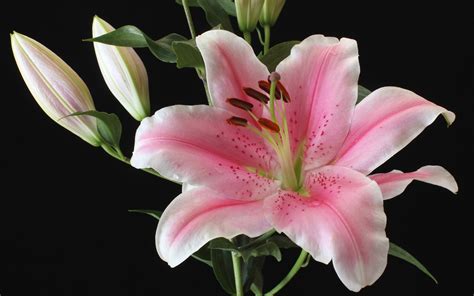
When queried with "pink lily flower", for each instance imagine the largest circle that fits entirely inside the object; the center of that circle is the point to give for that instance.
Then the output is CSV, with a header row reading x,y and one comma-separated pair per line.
x,y
299,165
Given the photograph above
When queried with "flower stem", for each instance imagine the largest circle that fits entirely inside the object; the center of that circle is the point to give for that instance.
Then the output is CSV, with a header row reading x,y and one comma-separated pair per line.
x,y
189,18
248,37
266,45
237,274
298,264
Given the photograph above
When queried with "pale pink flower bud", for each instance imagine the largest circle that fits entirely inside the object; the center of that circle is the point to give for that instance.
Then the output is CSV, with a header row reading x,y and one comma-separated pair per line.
x,y
56,87
123,72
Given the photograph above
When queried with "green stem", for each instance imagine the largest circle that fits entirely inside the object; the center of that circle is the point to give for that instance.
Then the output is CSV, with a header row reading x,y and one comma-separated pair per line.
x,y
237,274
298,264
189,18
266,45
248,37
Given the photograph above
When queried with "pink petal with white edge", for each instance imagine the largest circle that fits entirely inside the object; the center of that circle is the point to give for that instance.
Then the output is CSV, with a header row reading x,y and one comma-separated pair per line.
x,y
199,215
342,219
231,65
321,76
395,182
384,123
195,145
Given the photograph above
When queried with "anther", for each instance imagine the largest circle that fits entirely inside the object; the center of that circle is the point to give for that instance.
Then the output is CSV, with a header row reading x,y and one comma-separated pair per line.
x,y
240,104
268,124
265,86
234,120
284,93
255,94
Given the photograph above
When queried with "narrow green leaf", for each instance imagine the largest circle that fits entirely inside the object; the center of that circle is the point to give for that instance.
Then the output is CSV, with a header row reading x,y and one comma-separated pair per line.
x,y
222,244
215,14
277,53
362,92
163,48
153,213
266,249
187,54
131,36
108,126
398,252
223,269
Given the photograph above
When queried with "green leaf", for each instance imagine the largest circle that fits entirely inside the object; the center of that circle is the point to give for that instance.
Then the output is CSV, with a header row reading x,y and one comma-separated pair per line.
x,y
362,92
108,126
266,249
153,213
277,53
223,269
222,244
215,14
228,6
252,275
398,252
282,241
203,255
187,54
131,36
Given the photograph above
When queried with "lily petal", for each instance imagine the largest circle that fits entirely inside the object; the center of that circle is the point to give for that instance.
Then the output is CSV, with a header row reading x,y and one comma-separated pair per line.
x,y
195,144
384,123
395,182
231,65
342,219
321,76
199,215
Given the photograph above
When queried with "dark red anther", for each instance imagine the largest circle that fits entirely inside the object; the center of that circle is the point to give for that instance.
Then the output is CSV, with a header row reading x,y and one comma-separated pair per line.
x,y
255,94
268,124
265,86
240,104
284,93
234,120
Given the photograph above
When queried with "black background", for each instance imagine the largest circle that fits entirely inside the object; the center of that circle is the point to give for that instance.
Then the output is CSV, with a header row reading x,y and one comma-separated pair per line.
x,y
64,225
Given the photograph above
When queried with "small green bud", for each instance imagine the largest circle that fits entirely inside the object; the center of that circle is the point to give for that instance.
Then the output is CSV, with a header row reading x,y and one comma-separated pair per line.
x,y
270,12
248,13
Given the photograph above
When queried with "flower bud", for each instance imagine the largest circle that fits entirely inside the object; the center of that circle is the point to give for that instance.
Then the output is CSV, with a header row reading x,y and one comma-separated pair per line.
x,y
248,13
270,12
123,72
56,87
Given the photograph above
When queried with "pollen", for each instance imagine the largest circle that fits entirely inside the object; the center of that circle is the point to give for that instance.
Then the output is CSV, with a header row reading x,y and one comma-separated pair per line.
x,y
240,104
268,124
234,120
255,94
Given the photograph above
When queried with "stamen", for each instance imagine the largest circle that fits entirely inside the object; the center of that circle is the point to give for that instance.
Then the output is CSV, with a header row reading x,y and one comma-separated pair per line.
x,y
265,86
240,104
255,94
234,120
268,124
275,77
